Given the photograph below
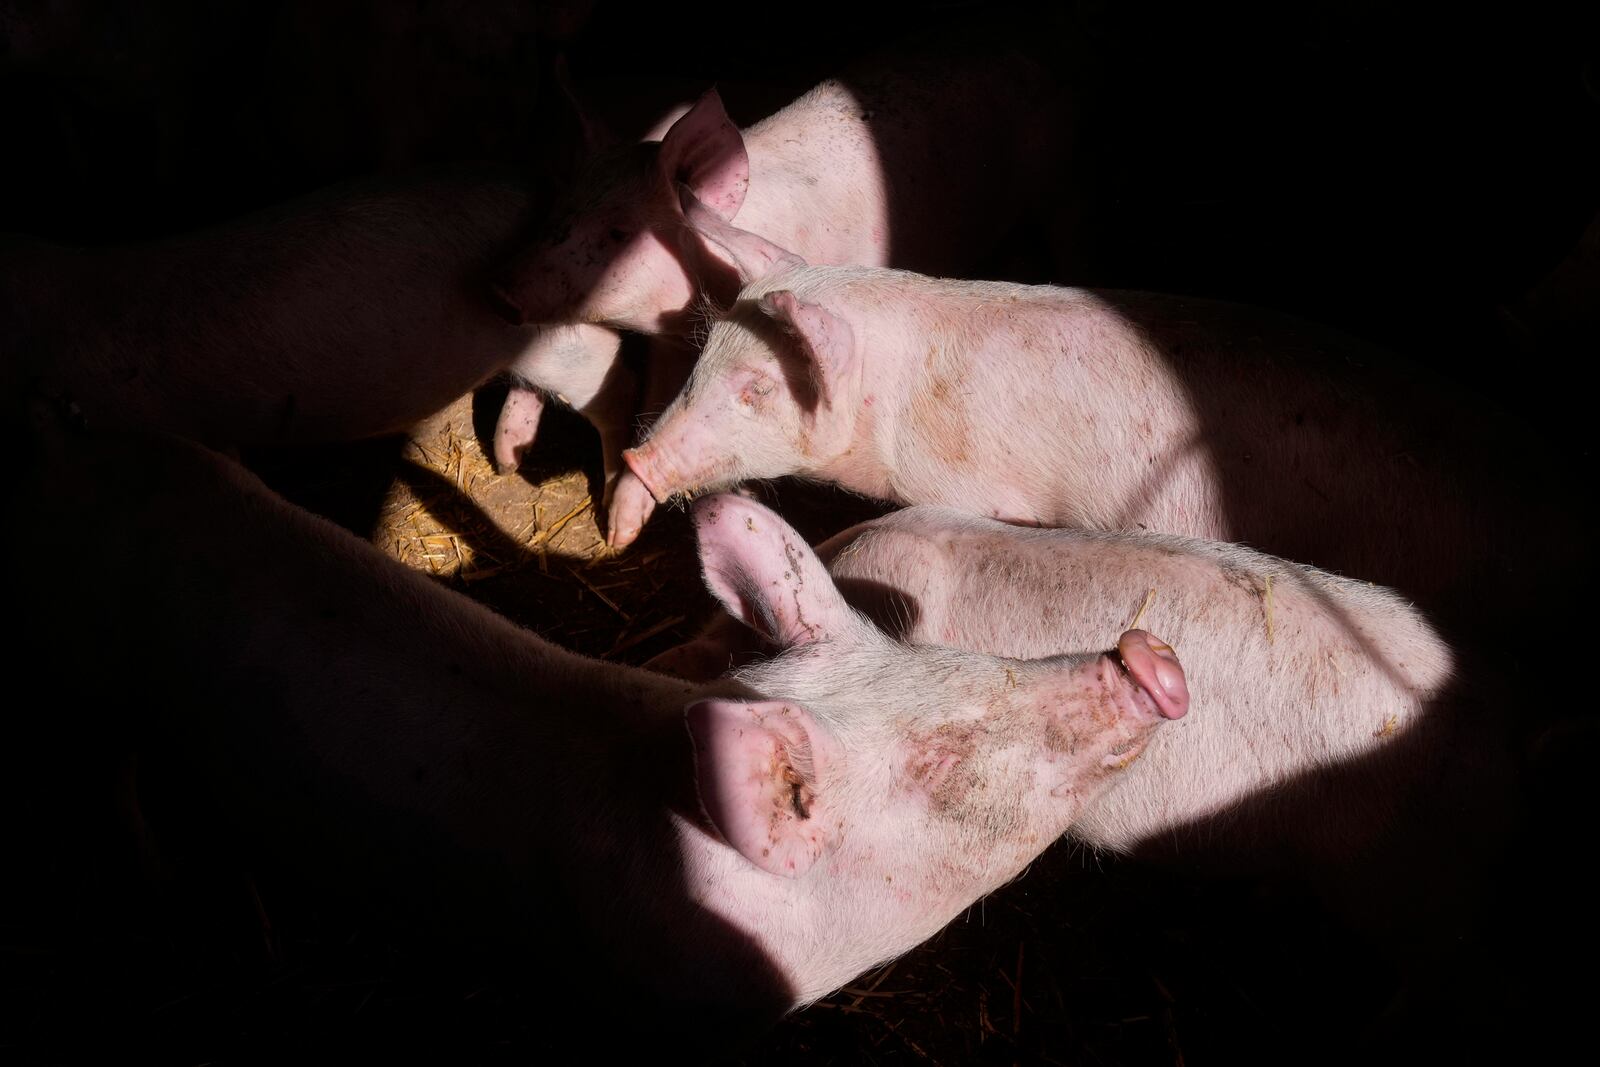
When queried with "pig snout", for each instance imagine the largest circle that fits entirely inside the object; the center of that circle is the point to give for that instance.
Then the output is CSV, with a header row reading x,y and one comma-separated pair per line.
x,y
1129,692
1097,714
646,466
682,456
1153,667
662,475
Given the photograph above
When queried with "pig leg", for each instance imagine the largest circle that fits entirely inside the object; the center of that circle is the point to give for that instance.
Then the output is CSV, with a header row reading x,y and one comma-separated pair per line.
x,y
627,510
517,427
611,412
630,504
580,366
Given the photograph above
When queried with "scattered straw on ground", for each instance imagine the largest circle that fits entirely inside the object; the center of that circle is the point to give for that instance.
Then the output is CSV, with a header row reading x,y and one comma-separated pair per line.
x,y
531,544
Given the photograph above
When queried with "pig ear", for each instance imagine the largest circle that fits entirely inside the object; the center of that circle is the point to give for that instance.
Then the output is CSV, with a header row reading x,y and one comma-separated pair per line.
x,y
754,257
757,766
765,574
827,341
705,151
662,126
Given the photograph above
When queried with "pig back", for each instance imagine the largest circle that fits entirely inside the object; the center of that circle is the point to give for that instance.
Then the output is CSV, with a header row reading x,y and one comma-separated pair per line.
x,y
964,128
1317,701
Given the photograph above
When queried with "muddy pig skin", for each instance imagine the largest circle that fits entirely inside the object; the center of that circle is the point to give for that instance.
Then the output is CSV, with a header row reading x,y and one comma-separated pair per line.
x,y
1068,407
746,845
352,312
855,171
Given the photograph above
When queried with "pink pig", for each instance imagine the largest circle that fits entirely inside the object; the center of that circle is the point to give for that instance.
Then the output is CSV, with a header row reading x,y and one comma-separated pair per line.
x,y
1301,672
852,172
1065,407
751,843
1342,740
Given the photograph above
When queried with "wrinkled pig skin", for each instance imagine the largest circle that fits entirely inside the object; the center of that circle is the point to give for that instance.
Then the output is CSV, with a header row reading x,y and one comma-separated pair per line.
x,y
854,172
353,312
825,810
1109,410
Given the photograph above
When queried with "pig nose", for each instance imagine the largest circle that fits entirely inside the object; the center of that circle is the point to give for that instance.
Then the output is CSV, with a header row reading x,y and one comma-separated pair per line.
x,y
642,462
1153,664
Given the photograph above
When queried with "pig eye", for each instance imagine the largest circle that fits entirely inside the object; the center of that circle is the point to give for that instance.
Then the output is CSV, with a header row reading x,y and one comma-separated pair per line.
x,y
619,236
754,389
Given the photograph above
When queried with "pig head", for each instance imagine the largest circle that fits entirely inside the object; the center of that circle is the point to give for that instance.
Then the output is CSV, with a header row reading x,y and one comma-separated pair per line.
x,y
611,255
777,390
885,785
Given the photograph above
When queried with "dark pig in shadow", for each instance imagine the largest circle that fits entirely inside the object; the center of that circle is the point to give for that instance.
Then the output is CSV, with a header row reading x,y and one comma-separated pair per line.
x,y
722,851
350,313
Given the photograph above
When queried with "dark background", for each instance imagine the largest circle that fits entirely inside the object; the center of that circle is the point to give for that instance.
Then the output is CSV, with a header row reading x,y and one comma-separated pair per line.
x,y
1398,169
1408,173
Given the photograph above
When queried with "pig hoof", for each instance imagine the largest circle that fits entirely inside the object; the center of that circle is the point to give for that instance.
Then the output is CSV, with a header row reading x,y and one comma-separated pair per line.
x,y
631,505
518,426
507,461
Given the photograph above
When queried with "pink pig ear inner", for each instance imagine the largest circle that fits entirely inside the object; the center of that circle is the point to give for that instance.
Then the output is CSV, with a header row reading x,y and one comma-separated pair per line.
x,y
757,768
704,150
765,574
754,257
826,340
